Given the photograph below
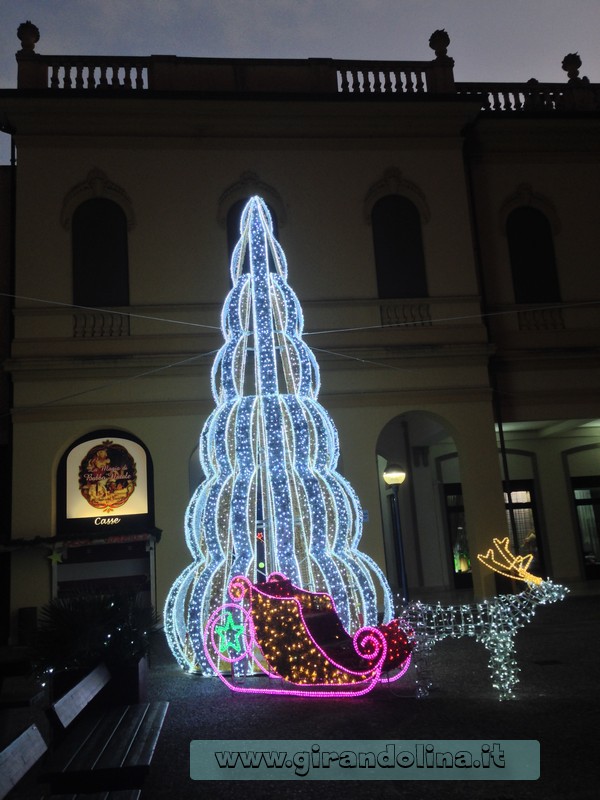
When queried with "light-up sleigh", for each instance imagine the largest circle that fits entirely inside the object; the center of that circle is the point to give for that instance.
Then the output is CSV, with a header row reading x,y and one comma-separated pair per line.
x,y
296,639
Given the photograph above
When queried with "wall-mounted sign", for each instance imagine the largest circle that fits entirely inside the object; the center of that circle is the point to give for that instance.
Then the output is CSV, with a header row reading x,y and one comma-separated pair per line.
x,y
106,476
105,482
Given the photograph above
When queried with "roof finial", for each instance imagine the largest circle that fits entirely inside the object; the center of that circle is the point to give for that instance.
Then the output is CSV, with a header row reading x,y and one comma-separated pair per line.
x,y
29,36
571,64
439,41
440,71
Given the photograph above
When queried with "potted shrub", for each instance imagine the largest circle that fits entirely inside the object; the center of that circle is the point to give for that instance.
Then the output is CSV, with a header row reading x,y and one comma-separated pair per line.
x,y
76,633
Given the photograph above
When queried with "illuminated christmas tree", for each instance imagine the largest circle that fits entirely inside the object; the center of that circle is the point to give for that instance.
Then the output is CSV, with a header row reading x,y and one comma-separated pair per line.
x,y
272,501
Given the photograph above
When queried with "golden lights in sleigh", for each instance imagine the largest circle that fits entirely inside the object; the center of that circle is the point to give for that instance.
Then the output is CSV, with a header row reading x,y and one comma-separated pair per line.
x,y
295,637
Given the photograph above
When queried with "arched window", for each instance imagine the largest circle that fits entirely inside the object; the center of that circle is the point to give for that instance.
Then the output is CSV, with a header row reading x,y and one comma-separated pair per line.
x,y
398,245
532,259
100,254
233,227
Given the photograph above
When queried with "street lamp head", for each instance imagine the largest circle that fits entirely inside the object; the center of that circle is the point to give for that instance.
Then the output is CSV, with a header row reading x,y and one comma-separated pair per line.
x,y
394,474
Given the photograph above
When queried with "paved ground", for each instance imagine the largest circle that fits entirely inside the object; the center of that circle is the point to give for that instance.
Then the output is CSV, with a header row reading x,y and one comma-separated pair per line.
x,y
558,704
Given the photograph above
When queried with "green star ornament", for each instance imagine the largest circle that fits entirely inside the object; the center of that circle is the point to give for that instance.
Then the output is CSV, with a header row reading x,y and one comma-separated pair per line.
x,y
230,635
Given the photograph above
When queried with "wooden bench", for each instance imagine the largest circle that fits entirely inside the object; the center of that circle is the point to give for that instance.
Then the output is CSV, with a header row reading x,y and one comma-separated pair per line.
x,y
118,794
20,757
101,751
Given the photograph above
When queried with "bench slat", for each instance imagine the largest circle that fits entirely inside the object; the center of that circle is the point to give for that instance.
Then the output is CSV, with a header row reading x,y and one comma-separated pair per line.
x,y
81,753
132,726
116,753
18,758
119,794
143,747
107,751
73,702
62,757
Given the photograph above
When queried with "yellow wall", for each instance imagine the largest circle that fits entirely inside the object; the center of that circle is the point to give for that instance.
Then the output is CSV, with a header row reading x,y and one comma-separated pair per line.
x,y
323,171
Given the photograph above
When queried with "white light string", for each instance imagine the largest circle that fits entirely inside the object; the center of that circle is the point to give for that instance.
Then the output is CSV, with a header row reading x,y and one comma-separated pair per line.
x,y
269,451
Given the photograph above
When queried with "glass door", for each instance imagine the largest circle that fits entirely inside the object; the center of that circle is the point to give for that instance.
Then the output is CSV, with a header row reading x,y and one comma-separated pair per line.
x,y
586,493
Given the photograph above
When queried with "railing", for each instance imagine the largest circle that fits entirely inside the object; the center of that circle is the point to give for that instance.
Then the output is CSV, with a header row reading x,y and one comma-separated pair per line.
x,y
292,76
93,324
381,77
97,72
541,319
405,314
357,79
514,96
532,96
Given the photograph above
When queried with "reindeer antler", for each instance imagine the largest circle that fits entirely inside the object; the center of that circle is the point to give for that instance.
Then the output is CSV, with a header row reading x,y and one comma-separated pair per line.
x,y
511,566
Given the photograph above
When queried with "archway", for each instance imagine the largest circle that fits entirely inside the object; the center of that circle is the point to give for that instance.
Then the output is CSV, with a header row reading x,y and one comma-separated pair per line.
x,y
434,544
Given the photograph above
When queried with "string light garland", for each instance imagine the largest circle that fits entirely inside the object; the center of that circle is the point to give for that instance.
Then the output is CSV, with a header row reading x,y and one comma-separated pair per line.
x,y
494,623
509,565
273,504
269,452
302,642
297,638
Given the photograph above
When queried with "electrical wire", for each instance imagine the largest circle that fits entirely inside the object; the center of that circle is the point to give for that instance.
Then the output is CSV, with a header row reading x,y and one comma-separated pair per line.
x,y
128,314
384,326
336,354
115,382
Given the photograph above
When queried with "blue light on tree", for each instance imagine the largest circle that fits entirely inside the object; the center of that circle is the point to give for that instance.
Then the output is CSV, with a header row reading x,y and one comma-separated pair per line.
x,y
272,500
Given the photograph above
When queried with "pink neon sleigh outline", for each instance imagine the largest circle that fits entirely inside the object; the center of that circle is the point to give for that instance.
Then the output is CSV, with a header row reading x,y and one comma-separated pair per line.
x,y
240,587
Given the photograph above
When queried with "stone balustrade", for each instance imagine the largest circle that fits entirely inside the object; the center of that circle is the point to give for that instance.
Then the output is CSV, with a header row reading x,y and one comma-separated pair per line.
x,y
93,324
96,72
381,77
514,96
159,73
533,96
298,77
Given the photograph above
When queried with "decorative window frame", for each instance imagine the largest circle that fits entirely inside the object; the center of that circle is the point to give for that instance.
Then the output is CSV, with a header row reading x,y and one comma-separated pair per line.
x,y
525,197
393,182
96,184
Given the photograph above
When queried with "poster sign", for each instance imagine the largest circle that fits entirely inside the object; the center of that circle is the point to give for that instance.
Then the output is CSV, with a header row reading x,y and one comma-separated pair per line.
x,y
105,484
107,476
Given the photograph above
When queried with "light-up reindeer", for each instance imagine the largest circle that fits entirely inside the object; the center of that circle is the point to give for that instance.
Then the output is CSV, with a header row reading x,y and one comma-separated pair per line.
x,y
494,622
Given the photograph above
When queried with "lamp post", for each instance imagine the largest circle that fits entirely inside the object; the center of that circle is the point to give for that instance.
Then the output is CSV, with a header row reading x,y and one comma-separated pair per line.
x,y
394,475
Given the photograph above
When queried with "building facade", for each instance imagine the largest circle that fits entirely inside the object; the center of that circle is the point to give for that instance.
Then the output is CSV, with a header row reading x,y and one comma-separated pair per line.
x,y
443,240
